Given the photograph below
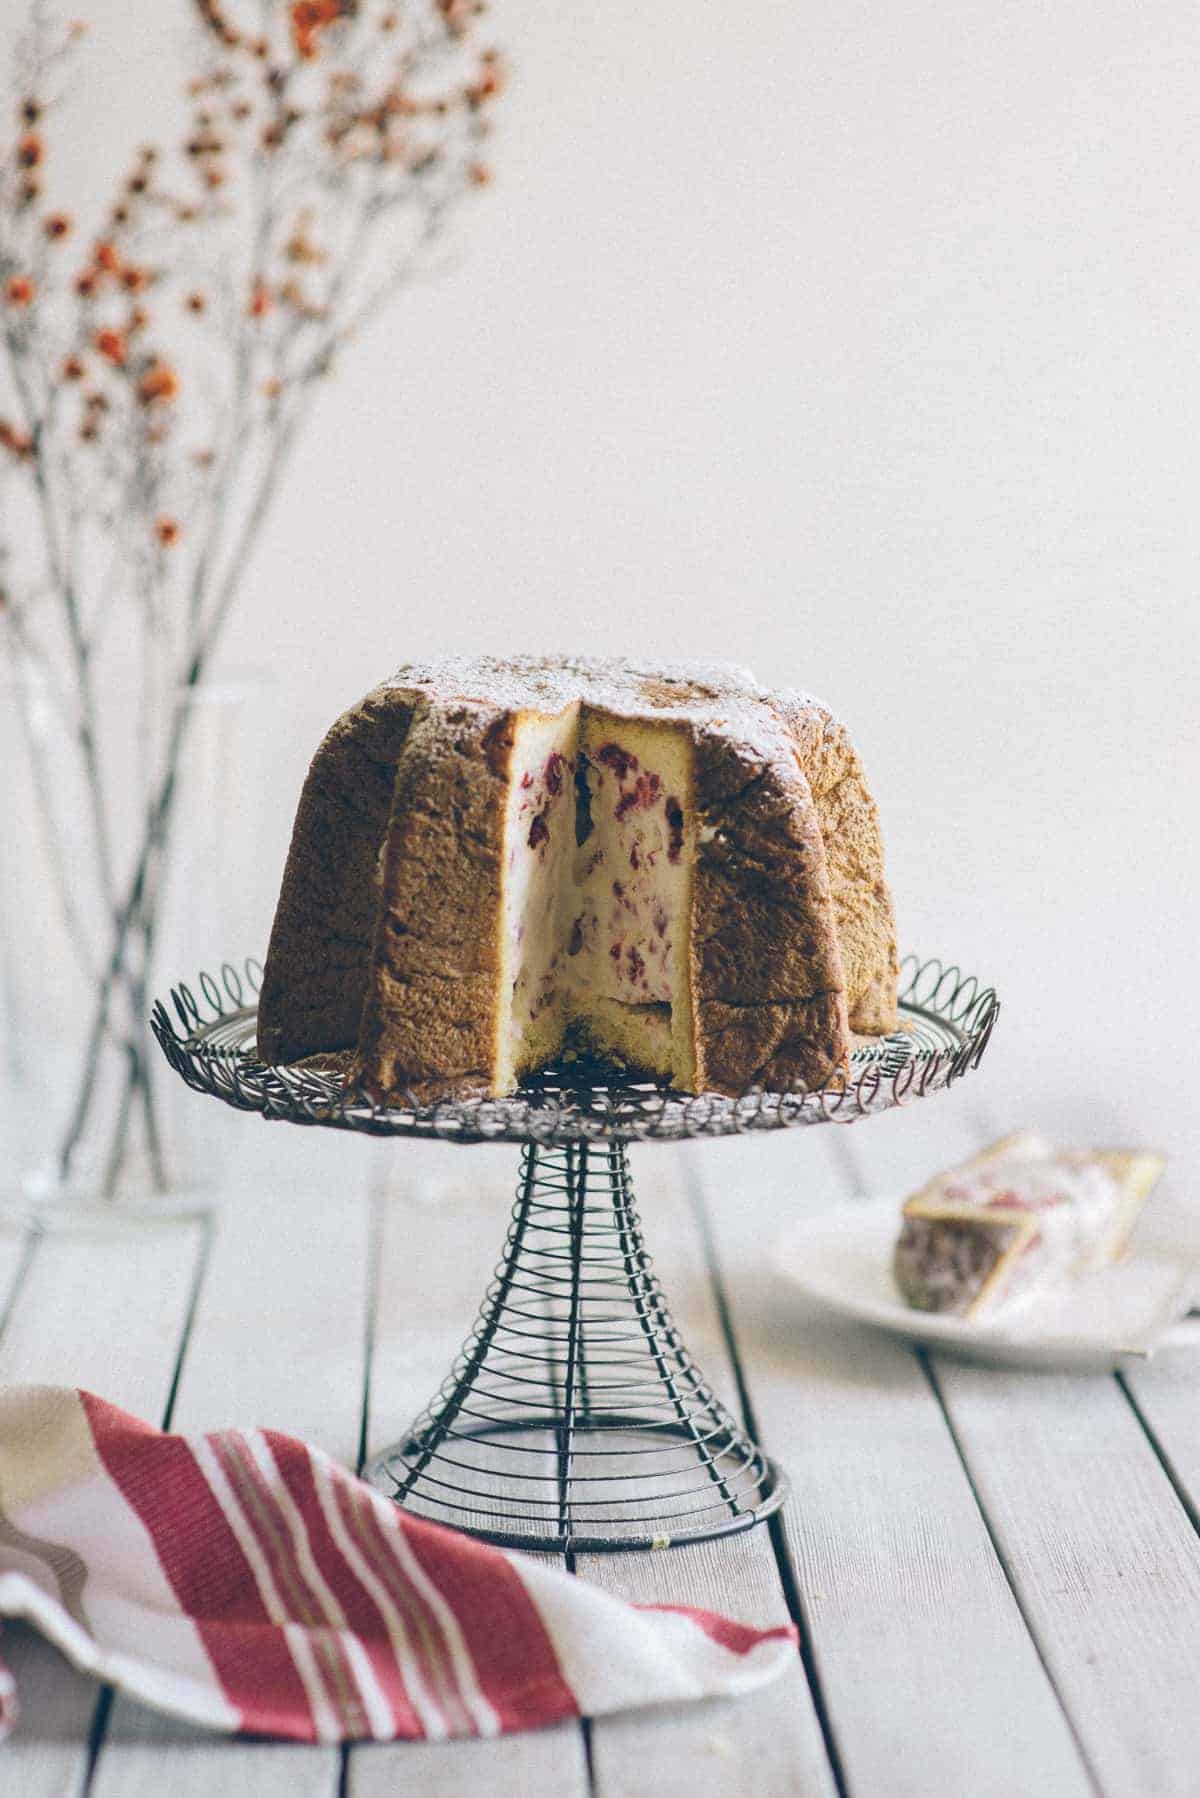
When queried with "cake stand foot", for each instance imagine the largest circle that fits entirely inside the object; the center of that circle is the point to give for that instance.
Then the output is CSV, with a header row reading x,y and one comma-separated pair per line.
x,y
574,1418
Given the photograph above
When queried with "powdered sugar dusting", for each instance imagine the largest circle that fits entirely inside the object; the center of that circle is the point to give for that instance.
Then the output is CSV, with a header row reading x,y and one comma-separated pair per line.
x,y
707,695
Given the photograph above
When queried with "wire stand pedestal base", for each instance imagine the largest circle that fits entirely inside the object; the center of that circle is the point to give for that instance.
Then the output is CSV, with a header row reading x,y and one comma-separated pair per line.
x,y
574,1418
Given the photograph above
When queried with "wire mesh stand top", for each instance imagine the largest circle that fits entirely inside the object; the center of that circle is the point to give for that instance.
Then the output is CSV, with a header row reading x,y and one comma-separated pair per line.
x,y
574,1418
946,1022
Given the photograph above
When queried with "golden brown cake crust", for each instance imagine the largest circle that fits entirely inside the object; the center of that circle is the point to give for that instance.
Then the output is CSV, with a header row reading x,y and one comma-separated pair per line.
x,y
429,1020
768,984
319,955
862,903
778,945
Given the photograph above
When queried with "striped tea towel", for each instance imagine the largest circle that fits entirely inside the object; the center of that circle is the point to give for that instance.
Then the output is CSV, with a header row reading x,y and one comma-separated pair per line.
x,y
247,1582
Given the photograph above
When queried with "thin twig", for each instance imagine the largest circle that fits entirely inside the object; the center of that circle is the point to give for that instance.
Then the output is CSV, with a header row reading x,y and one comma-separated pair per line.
x,y
44,794
87,735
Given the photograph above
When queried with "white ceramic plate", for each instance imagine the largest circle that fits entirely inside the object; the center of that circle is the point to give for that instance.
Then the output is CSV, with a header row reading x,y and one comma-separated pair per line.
x,y
843,1260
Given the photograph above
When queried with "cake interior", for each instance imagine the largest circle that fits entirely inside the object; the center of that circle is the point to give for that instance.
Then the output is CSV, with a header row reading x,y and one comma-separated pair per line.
x,y
599,851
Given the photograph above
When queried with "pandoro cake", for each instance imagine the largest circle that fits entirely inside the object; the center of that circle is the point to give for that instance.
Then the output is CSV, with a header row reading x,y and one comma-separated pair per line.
x,y
671,867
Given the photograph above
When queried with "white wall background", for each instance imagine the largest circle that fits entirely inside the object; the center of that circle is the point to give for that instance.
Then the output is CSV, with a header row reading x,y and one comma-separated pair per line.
x,y
854,341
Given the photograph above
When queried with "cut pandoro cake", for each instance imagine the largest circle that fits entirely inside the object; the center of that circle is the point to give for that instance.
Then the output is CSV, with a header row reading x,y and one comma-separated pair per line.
x,y
672,868
1018,1220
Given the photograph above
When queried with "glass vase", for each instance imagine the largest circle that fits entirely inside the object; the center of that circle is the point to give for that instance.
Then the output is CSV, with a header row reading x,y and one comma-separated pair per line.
x,y
92,1124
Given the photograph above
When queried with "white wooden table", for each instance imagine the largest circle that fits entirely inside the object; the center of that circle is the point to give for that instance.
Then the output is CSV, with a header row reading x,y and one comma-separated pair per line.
x,y
996,1575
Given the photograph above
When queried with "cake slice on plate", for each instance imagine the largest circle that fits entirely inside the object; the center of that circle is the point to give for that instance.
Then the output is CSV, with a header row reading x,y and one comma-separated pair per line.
x,y
1016,1220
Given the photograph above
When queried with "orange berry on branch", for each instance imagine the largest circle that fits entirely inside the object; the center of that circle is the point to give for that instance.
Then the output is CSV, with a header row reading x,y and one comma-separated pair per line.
x,y
57,225
310,17
166,530
301,248
111,345
72,368
16,442
488,84
455,14
30,151
260,300
158,384
107,257
19,290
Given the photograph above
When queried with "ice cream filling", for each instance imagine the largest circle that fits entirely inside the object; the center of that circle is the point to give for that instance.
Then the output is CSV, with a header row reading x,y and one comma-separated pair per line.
x,y
598,858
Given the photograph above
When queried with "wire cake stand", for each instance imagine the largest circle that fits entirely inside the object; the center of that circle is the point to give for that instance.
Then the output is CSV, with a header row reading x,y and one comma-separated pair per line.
x,y
574,1419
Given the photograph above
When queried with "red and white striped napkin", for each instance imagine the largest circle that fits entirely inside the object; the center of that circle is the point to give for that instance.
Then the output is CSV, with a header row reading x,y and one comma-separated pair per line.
x,y
247,1582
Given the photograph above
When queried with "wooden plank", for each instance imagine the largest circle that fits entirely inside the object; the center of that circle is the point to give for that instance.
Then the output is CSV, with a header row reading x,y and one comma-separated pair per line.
x,y
1165,1398
544,1761
145,1755
1101,1554
769,1741
443,1212
1104,1558
106,1312
932,1683
278,1339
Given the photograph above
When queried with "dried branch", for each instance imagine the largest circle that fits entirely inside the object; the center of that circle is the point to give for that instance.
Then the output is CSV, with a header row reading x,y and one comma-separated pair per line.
x,y
155,380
